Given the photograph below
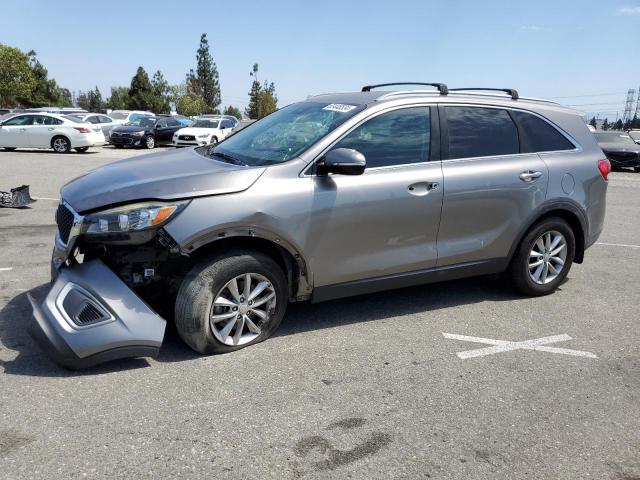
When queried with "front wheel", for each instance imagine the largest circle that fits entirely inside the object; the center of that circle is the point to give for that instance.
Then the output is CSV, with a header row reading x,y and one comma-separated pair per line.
x,y
230,302
544,257
150,141
9,149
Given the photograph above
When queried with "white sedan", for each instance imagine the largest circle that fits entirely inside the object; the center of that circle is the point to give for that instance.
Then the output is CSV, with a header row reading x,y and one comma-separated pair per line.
x,y
47,130
204,131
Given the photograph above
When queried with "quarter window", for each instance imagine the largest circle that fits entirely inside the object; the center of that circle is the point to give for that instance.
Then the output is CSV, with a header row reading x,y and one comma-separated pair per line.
x,y
481,132
398,137
43,120
536,135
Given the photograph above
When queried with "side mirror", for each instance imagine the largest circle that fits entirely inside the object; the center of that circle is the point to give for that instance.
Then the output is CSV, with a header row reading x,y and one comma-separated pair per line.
x,y
345,161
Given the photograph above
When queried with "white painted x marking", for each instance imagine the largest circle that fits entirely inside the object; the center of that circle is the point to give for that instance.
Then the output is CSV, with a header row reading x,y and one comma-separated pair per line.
x,y
507,345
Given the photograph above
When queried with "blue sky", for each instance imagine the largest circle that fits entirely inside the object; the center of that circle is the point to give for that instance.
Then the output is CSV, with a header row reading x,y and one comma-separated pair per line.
x,y
543,48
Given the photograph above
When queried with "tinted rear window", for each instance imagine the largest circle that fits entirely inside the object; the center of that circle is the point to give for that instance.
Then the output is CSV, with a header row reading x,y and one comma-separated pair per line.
x,y
481,132
536,135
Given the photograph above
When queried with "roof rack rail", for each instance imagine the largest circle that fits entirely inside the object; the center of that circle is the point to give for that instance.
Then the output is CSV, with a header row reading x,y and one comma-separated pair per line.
x,y
442,88
510,91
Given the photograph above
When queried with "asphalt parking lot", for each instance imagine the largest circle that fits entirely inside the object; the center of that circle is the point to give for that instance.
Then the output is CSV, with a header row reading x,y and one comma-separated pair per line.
x,y
368,387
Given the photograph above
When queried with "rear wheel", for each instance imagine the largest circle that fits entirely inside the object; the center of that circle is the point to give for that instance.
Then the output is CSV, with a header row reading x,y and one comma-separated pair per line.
x,y
150,141
61,144
636,169
544,257
230,302
119,146
9,149
82,149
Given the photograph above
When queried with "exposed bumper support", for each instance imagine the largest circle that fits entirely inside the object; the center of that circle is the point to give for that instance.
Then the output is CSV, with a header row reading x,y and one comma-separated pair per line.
x,y
90,316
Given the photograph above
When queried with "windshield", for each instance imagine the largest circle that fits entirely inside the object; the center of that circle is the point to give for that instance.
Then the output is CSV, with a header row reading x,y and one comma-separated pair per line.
x,y
284,134
203,123
118,115
613,137
142,122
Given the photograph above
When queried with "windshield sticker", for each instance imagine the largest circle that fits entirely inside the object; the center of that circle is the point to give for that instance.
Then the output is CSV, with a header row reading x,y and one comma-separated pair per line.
x,y
339,107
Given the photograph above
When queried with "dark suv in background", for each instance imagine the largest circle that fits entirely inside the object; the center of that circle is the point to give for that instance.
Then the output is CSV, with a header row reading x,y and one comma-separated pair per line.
x,y
145,132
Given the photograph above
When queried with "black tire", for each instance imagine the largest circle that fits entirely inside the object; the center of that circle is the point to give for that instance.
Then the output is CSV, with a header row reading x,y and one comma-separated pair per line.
x,y
81,149
214,141
119,146
636,169
519,268
61,144
196,295
150,142
9,149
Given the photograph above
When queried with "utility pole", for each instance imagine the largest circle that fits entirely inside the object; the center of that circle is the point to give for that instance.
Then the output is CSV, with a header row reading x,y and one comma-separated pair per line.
x,y
637,114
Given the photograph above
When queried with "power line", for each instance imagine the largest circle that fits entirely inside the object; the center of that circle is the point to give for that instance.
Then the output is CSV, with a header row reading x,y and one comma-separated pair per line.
x,y
589,95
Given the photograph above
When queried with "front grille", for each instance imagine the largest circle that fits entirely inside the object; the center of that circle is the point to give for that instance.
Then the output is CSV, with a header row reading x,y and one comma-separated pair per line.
x,y
88,315
121,140
64,219
186,137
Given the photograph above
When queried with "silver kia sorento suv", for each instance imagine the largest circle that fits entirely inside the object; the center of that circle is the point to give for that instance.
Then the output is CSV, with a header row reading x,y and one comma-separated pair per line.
x,y
341,194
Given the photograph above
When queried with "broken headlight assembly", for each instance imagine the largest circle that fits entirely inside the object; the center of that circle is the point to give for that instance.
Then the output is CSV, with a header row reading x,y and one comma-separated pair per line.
x,y
131,218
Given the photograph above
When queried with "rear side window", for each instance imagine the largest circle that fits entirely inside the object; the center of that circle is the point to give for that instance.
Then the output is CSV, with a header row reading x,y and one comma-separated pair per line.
x,y
398,137
172,122
481,132
536,135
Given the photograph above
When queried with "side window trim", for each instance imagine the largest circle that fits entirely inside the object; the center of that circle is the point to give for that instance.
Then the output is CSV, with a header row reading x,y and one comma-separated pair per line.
x,y
434,142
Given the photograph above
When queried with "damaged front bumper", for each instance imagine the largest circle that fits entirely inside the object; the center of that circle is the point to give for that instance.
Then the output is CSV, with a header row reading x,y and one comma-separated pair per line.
x,y
90,316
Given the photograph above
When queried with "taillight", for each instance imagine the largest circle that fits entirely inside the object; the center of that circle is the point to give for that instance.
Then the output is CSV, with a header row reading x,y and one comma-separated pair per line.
x,y
83,129
605,168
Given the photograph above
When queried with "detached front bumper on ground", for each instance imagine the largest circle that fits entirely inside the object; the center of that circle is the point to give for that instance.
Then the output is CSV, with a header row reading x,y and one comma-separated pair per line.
x,y
90,316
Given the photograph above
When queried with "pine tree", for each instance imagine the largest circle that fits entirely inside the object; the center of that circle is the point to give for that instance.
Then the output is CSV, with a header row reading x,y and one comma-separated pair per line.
x,y
253,109
95,100
233,111
593,122
205,81
119,99
617,125
140,92
160,89
605,124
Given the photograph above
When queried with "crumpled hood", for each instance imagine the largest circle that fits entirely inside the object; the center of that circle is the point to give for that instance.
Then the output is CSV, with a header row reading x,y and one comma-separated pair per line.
x,y
195,131
170,175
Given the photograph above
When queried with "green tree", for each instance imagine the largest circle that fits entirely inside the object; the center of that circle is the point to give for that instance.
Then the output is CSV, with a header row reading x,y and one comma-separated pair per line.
x,y
119,99
141,91
635,122
233,111
95,102
175,93
83,101
160,89
605,124
617,125
46,91
262,98
204,82
190,105
16,76
593,123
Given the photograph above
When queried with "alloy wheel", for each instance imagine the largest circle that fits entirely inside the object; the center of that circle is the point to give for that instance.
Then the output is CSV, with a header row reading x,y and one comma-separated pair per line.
x,y
60,145
547,257
151,142
242,309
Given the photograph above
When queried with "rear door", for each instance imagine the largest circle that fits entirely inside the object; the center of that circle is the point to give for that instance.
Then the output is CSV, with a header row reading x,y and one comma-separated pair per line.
x,y
43,130
490,187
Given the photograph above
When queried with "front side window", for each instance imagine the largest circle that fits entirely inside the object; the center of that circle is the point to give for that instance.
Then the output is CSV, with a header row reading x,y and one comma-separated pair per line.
x,y
143,122
536,135
398,137
284,134
20,120
481,132
205,123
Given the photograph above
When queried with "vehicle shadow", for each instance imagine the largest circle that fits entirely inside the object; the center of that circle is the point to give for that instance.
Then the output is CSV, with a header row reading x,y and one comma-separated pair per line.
x,y
91,151
16,317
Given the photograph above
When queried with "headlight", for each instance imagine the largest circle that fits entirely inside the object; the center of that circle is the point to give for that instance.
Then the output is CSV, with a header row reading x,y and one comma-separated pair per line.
x,y
131,218
137,134
206,135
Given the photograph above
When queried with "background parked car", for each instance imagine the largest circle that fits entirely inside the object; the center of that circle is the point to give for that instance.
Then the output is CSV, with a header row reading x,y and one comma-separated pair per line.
x,y
125,116
145,132
635,135
45,130
105,122
242,124
204,131
620,149
184,121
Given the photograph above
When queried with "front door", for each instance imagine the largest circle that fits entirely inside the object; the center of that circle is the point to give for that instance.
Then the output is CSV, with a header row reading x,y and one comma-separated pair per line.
x,y
490,186
385,221
14,132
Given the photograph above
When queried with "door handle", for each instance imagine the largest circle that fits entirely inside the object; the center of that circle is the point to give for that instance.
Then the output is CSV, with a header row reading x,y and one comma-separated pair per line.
x,y
50,129
530,176
422,188
23,129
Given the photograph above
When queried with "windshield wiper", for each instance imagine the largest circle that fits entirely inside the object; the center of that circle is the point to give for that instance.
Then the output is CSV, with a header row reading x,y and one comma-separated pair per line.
x,y
229,158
